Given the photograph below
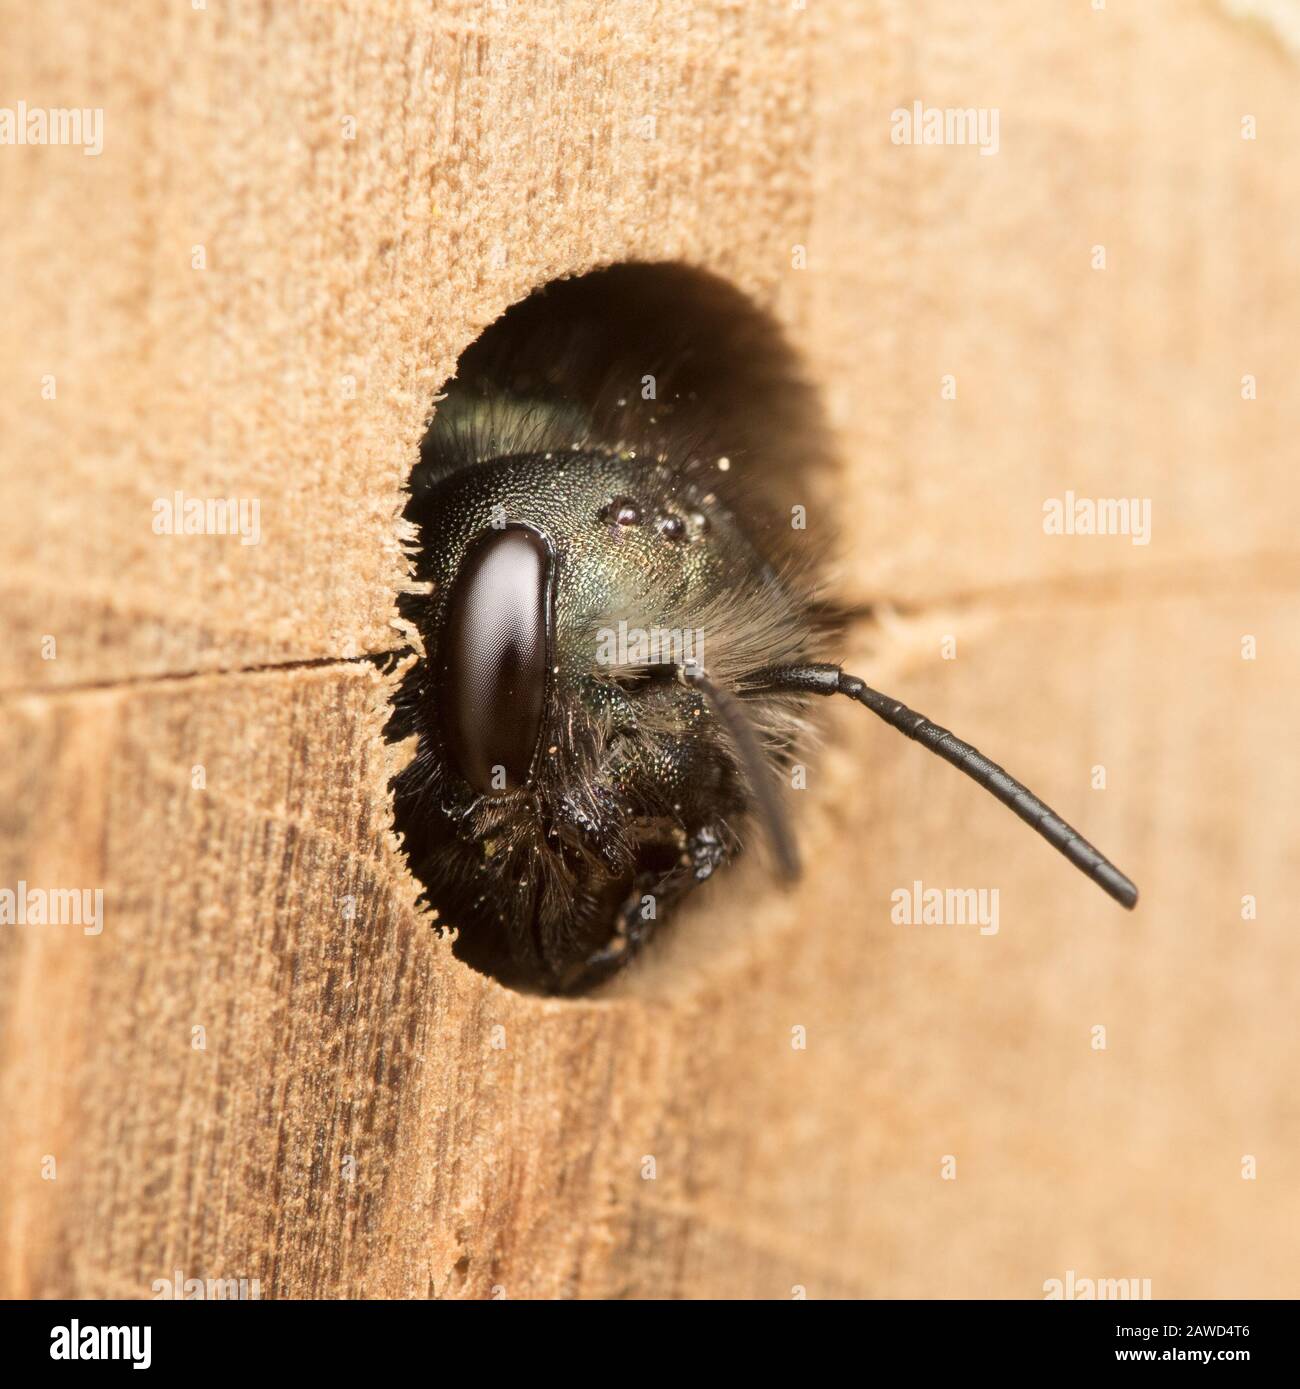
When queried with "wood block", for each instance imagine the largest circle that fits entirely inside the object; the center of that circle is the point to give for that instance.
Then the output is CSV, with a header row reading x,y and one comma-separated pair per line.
x,y
367,1117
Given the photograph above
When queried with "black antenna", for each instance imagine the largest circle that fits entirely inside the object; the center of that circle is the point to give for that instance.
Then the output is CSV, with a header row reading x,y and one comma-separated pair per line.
x,y
757,771
828,680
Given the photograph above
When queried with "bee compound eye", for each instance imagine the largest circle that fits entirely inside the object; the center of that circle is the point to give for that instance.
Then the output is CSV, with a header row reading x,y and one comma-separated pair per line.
x,y
494,657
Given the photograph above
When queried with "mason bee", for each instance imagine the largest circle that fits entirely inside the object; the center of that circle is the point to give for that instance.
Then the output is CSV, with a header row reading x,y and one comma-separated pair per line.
x,y
621,646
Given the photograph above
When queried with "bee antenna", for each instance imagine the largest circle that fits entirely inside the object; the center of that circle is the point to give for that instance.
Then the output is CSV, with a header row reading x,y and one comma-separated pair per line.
x,y
757,770
829,679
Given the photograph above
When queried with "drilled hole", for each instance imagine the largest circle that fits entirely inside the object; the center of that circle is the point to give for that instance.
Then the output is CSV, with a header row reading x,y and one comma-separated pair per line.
x,y
641,428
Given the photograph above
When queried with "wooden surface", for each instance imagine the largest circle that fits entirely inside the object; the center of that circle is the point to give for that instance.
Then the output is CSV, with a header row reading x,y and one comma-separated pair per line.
x,y
357,1124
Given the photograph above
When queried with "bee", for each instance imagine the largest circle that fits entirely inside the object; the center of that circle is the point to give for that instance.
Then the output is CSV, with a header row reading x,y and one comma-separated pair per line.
x,y
620,656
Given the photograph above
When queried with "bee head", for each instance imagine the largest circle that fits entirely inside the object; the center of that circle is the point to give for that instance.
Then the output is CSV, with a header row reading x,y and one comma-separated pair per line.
x,y
564,581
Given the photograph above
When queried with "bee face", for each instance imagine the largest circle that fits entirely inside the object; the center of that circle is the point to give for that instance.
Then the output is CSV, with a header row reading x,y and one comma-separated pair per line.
x,y
574,777
620,535
618,662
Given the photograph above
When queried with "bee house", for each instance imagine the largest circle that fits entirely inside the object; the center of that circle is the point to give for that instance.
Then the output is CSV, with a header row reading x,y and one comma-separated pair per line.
x,y
1028,282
